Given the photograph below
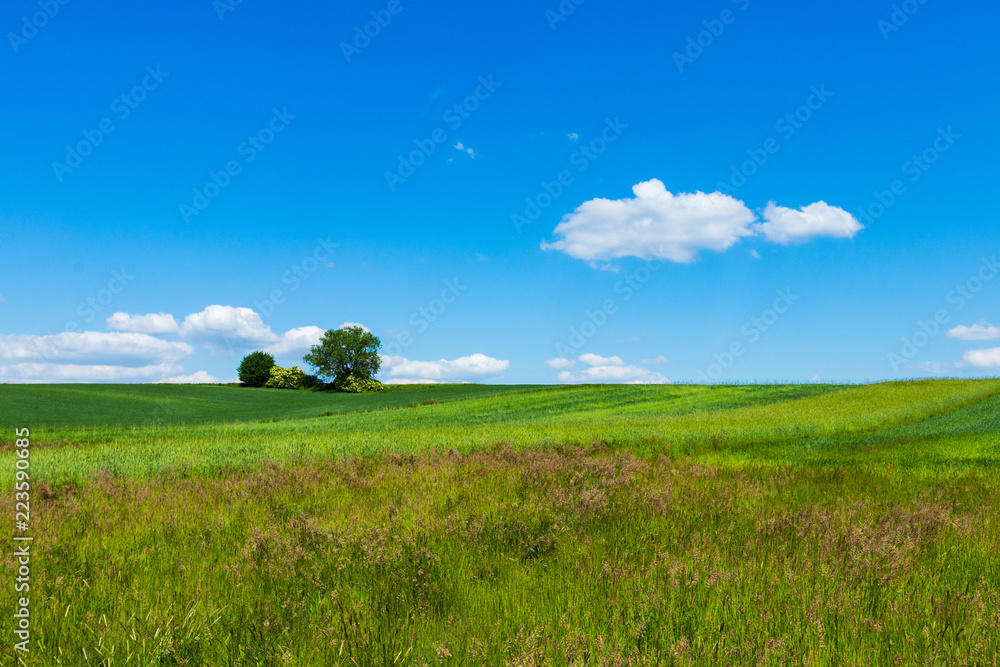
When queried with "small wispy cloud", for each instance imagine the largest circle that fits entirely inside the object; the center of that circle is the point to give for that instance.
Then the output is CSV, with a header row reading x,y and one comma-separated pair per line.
x,y
200,377
658,361
467,149
936,367
573,135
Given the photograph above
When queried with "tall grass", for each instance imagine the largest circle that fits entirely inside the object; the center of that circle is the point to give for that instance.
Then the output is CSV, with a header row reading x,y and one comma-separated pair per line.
x,y
561,556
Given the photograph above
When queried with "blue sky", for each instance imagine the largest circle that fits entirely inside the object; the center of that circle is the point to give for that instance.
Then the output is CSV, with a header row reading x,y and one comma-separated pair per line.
x,y
520,192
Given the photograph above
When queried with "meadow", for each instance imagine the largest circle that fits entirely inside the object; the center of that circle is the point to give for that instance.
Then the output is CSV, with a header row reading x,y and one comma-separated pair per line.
x,y
500,525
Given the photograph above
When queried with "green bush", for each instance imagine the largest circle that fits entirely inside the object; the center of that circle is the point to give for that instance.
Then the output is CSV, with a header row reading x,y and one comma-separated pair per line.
x,y
286,378
356,385
255,369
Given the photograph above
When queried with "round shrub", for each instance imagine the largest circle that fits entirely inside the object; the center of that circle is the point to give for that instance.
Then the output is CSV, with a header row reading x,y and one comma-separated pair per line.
x,y
356,385
255,369
286,378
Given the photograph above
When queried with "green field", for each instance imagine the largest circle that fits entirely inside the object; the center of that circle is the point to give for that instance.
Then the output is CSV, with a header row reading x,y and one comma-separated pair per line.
x,y
61,406
505,525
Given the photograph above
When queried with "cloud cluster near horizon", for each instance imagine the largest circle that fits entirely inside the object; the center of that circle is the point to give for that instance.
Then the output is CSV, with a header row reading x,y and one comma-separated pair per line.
x,y
980,331
982,358
656,223
604,370
400,370
149,348
222,329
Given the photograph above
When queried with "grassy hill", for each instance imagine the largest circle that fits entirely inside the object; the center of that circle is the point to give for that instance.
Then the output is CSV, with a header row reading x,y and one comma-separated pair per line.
x,y
139,430
72,406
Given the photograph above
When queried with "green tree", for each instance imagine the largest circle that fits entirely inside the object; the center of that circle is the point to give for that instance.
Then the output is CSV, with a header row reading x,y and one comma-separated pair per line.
x,y
346,352
255,369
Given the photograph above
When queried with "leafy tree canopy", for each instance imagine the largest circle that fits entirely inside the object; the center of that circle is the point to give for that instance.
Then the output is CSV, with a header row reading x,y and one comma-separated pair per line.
x,y
346,352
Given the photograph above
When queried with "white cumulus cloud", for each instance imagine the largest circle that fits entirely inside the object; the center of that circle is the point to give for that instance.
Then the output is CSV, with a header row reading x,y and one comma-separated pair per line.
x,y
982,358
560,362
153,323
613,374
785,225
603,370
132,353
226,327
400,370
296,341
92,347
595,360
80,373
980,331
655,223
